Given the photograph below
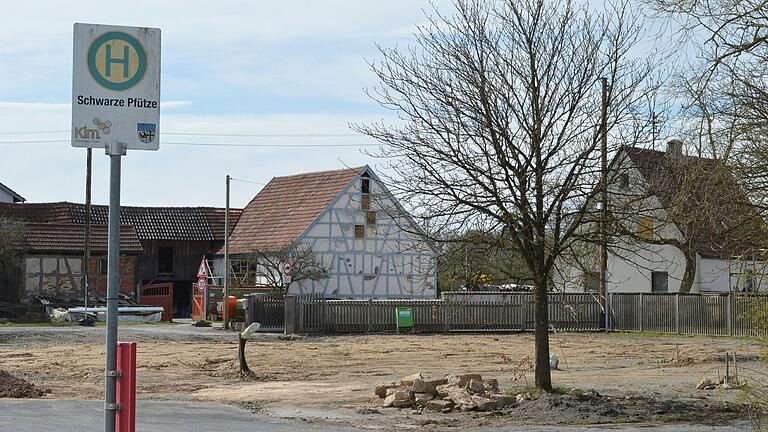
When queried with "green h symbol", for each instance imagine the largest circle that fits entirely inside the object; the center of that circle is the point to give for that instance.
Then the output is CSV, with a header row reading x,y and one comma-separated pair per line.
x,y
109,60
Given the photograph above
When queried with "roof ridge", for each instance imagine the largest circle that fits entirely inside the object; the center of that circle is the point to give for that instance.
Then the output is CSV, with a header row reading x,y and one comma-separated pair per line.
x,y
333,171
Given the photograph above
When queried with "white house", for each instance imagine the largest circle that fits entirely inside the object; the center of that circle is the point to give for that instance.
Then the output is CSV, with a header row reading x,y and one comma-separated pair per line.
x,y
635,265
351,223
9,196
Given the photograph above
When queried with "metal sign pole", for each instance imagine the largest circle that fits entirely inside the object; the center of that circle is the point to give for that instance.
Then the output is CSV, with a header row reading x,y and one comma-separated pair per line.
x,y
115,152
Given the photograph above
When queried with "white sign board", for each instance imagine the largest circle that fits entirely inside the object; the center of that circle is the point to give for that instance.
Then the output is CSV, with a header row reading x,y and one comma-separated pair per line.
x,y
116,87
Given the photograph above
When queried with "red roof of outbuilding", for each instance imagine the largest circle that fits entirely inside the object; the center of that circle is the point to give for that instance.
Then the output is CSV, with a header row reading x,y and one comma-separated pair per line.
x,y
285,208
67,238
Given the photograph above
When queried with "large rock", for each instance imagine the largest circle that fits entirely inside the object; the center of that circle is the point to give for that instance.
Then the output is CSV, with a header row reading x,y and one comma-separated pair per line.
x,y
504,400
462,399
444,390
399,399
485,404
382,387
408,381
462,380
491,384
436,381
421,386
438,405
475,386
421,399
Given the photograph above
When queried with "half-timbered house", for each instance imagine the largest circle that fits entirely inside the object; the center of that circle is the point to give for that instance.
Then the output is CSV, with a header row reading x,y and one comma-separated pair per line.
x,y
355,228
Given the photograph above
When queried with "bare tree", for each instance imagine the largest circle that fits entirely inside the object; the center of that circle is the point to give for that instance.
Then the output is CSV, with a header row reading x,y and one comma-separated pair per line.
x,y
500,108
265,267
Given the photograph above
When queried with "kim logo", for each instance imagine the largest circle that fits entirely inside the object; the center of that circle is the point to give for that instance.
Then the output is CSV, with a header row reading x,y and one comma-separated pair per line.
x,y
146,132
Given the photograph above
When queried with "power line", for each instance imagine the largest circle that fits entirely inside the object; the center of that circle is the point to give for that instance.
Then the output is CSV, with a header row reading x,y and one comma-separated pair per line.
x,y
193,144
267,145
246,135
266,135
247,181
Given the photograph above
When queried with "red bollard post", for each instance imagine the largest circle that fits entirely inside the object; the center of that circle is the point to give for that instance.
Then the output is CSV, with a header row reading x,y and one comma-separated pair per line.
x,y
125,418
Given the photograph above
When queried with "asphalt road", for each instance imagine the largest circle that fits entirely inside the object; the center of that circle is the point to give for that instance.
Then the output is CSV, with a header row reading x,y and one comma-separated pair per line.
x,y
44,415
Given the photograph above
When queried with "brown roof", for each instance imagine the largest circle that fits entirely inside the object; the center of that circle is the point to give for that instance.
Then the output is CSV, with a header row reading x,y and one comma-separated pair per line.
x,y
64,238
150,223
725,222
285,208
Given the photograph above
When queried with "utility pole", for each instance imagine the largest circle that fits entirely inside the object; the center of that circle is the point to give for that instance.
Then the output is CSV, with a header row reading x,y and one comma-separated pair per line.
x,y
87,246
225,301
604,200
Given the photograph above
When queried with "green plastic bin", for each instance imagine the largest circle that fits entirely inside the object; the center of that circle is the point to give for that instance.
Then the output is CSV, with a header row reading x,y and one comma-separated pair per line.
x,y
404,317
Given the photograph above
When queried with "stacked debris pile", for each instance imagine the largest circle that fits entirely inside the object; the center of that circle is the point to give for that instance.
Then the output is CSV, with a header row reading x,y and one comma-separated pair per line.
x,y
467,392
13,387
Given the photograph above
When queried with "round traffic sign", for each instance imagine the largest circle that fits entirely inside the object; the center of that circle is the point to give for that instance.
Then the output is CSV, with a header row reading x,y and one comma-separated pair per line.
x,y
287,268
201,285
116,60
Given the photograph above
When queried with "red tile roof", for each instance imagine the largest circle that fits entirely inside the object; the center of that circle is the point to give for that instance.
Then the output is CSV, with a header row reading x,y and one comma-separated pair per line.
x,y
67,238
150,223
728,223
285,208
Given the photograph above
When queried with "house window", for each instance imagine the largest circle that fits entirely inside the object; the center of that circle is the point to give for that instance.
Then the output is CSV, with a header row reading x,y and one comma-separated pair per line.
x,y
359,231
624,181
365,202
165,260
365,187
370,218
645,227
591,282
659,282
102,264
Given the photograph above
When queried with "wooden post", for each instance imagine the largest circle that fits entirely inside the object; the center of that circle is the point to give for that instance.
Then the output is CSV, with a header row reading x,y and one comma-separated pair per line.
x,y
369,315
728,315
290,314
447,314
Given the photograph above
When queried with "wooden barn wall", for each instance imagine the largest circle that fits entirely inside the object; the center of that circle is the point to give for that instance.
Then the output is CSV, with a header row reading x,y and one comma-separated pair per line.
x,y
10,281
187,255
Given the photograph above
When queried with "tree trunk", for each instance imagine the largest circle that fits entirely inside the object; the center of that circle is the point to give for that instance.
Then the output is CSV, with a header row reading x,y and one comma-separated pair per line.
x,y
690,272
541,316
241,356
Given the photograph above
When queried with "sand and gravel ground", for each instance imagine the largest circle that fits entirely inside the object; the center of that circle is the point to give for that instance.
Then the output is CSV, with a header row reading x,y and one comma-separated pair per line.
x,y
331,378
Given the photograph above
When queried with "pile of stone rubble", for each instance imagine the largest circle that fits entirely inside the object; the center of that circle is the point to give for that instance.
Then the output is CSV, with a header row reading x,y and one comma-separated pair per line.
x,y
468,392
719,383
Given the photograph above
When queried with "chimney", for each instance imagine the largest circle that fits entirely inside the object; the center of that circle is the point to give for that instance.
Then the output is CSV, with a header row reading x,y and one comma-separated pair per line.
x,y
674,148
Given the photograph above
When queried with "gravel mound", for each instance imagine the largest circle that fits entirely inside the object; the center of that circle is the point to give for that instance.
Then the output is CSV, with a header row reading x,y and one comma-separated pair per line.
x,y
12,387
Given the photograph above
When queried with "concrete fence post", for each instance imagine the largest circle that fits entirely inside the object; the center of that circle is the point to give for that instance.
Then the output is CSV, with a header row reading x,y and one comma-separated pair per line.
x,y
641,312
290,314
677,313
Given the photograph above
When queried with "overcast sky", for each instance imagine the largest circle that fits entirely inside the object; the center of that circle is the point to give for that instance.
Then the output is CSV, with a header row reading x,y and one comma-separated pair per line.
x,y
228,67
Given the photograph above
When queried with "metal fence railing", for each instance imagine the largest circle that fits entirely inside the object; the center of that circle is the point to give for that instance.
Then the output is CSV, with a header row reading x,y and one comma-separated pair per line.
x,y
727,314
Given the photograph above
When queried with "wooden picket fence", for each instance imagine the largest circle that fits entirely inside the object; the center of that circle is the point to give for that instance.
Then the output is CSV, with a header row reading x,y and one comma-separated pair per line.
x,y
567,312
717,315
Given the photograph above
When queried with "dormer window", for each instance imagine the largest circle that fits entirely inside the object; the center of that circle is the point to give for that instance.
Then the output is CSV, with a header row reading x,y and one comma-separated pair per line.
x,y
624,181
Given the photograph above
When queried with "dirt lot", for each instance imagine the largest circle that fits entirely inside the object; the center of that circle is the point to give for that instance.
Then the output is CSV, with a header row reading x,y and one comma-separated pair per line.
x,y
331,379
